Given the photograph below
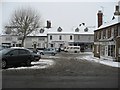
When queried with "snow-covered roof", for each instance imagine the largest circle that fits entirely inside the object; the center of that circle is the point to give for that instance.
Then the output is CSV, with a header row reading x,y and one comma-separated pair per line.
x,y
84,30
72,30
7,35
37,33
110,23
60,32
54,30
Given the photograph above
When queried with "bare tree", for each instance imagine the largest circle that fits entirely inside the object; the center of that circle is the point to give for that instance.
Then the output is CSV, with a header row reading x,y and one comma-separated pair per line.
x,y
25,21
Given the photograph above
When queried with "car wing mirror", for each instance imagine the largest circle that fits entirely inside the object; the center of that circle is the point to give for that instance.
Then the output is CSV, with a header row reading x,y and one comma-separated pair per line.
x,y
11,54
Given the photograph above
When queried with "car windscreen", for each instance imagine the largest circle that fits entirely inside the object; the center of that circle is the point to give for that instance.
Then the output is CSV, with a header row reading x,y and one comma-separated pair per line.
x,y
4,51
31,51
1,48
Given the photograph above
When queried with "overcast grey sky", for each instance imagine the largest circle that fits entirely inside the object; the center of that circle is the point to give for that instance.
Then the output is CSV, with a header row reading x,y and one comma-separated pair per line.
x,y
64,14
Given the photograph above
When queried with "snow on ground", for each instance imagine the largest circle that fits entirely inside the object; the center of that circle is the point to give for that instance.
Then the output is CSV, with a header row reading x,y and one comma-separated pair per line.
x,y
91,57
41,64
49,56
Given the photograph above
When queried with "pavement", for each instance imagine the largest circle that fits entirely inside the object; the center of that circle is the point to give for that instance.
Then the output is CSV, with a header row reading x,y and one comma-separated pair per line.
x,y
90,57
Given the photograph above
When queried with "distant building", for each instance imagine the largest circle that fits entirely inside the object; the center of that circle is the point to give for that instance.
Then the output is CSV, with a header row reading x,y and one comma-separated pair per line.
x,y
11,40
35,39
55,37
81,36
107,39
59,40
84,37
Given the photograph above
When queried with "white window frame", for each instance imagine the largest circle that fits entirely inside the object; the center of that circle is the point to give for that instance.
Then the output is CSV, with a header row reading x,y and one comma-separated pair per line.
x,y
50,37
119,51
97,47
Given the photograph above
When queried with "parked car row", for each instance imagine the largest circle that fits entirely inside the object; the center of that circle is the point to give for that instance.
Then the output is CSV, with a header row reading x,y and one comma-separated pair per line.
x,y
20,55
17,56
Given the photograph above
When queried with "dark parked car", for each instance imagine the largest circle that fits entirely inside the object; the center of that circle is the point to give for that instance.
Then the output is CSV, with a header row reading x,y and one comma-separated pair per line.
x,y
15,56
36,55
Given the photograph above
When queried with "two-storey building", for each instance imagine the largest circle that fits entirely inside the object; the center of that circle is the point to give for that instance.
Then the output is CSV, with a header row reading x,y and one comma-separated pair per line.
x,y
84,37
35,39
59,38
106,39
11,40
80,36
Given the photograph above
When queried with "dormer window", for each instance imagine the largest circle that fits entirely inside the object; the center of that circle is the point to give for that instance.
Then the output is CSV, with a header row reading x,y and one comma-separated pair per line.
x,y
77,30
41,30
86,29
59,29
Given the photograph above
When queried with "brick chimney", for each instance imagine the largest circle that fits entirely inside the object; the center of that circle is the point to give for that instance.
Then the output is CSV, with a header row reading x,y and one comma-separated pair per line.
x,y
117,11
100,18
48,24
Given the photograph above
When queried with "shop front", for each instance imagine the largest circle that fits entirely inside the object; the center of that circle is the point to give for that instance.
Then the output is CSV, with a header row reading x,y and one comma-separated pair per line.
x,y
118,49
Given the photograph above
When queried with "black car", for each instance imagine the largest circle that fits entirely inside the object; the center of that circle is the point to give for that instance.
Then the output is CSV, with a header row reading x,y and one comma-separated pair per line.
x,y
36,55
15,56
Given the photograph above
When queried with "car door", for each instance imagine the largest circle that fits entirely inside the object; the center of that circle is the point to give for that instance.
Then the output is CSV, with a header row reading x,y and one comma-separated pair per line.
x,y
23,55
12,57
45,51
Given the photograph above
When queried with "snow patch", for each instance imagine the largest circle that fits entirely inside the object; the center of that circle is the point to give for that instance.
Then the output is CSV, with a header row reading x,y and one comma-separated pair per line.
x,y
49,56
102,61
43,63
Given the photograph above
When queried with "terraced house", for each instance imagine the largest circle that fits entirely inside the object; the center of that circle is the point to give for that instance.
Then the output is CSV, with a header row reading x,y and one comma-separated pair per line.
x,y
107,37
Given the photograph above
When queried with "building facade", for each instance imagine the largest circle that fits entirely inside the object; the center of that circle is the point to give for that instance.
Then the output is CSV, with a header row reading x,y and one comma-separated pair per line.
x,y
84,37
60,39
38,40
118,48
106,40
11,40
78,37
54,37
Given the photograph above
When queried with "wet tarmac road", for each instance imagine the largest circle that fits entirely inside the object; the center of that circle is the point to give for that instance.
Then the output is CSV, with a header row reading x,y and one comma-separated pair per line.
x,y
64,70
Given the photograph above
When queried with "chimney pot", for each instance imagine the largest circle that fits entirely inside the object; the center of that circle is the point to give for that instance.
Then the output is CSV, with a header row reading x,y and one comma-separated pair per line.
x,y
117,12
100,18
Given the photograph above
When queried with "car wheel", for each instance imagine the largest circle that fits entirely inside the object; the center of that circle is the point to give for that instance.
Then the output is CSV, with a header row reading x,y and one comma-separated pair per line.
x,y
41,53
28,62
4,64
75,52
37,59
53,54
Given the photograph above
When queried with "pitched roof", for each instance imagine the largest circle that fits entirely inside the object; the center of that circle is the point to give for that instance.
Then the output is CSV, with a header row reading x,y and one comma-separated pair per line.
x,y
80,30
110,23
84,30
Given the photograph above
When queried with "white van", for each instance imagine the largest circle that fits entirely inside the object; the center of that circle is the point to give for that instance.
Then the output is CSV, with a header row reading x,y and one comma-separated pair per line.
x,y
73,49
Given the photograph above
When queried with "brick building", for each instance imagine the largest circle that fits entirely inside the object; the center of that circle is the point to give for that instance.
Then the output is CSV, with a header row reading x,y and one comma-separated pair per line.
x,y
107,38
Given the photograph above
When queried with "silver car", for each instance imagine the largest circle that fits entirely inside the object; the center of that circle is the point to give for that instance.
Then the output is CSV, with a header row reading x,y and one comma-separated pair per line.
x,y
51,51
